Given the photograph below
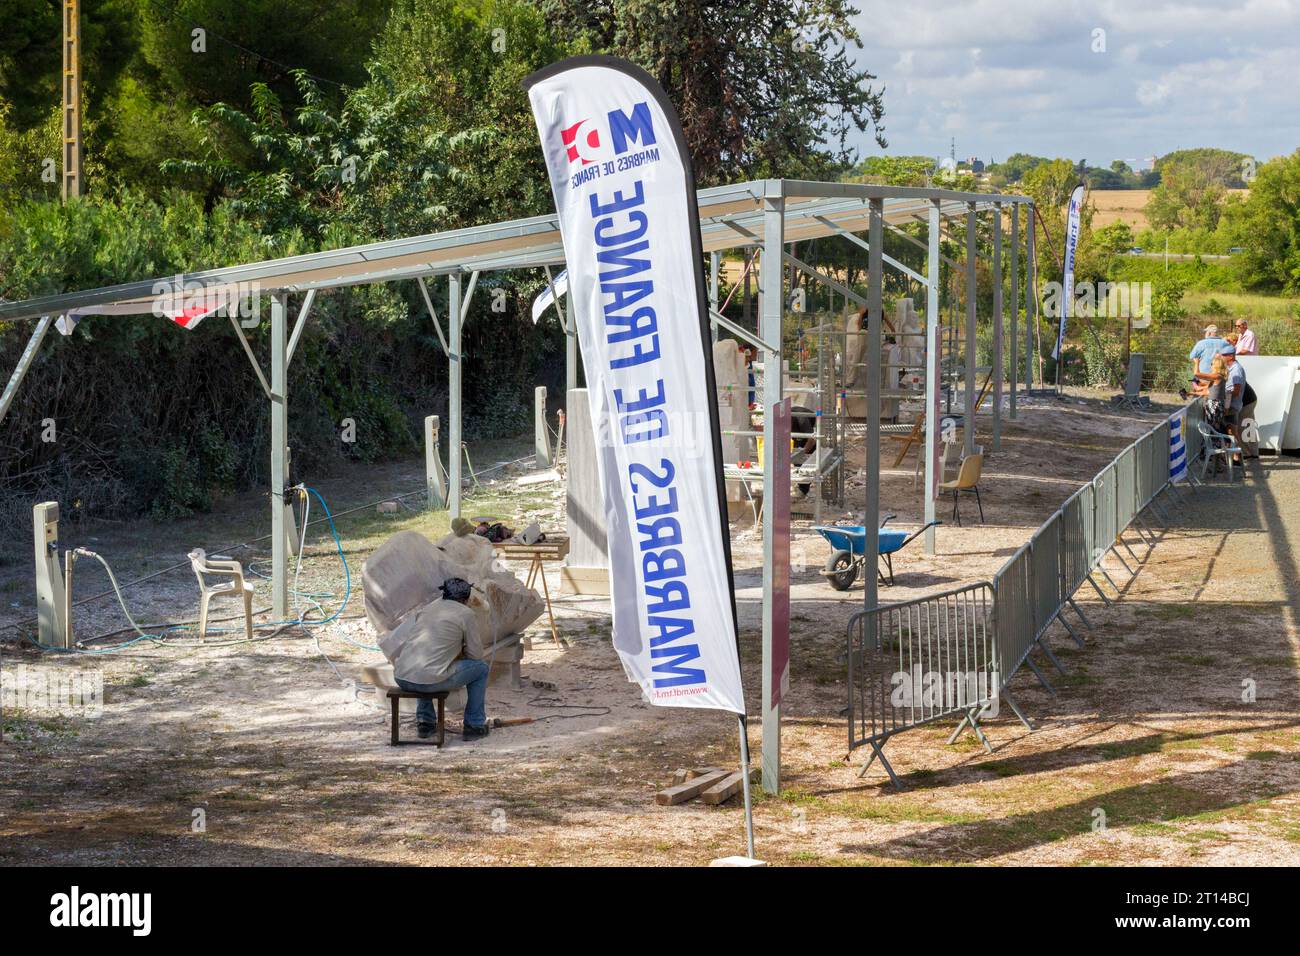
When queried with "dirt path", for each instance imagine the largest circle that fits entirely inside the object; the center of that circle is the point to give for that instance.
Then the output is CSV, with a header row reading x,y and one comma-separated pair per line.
x,y
285,764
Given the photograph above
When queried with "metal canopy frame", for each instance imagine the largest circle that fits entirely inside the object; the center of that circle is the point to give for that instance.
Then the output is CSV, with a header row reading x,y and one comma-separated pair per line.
x,y
532,243
765,214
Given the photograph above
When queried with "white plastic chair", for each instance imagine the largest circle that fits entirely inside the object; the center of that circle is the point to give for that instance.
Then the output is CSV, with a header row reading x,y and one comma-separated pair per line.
x,y
1215,444
235,587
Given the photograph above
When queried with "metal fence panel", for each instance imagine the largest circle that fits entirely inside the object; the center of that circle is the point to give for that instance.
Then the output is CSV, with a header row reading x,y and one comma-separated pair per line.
x,y
1013,614
1045,573
1128,477
1104,488
1192,436
939,656
920,660
1159,459
1076,540
1148,483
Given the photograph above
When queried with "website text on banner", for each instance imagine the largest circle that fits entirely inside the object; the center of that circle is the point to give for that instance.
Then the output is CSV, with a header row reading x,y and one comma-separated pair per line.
x,y
625,196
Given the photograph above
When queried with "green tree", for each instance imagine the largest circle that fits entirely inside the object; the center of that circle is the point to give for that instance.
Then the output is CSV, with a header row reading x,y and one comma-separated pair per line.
x,y
1014,167
1222,165
765,88
468,59
1049,184
1105,244
372,165
895,171
1193,184
255,41
31,53
1267,226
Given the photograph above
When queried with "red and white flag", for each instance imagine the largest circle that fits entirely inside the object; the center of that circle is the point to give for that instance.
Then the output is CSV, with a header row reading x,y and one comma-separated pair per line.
x,y
186,316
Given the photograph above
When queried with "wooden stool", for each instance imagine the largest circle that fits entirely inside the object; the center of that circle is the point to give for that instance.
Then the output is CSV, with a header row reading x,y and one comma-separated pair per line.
x,y
395,696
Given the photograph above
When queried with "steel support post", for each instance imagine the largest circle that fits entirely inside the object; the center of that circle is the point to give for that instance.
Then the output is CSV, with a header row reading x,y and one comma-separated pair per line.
x,y
455,456
1031,300
933,368
875,311
715,267
769,329
997,326
570,347
1012,349
279,457
971,292
24,363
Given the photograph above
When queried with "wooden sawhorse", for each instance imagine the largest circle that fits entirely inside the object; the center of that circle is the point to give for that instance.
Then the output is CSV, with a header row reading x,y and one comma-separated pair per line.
x,y
554,548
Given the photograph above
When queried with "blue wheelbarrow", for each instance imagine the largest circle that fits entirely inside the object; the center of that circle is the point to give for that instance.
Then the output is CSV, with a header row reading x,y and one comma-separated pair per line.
x,y
850,554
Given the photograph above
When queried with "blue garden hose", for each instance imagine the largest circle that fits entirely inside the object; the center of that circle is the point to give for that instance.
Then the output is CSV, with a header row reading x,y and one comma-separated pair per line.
x,y
300,620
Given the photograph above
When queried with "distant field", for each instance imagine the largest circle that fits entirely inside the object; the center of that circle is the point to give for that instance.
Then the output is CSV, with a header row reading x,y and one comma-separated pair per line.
x,y
1124,205
1243,304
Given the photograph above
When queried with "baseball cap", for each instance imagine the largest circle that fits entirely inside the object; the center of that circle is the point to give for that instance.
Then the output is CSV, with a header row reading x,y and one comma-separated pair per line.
x,y
455,589
1228,350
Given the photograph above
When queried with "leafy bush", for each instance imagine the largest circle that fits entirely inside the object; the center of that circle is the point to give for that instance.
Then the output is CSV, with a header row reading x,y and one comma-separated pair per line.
x,y
1103,354
153,419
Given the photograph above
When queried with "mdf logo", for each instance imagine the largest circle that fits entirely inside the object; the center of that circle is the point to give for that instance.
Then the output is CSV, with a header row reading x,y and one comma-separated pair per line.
x,y
583,142
76,909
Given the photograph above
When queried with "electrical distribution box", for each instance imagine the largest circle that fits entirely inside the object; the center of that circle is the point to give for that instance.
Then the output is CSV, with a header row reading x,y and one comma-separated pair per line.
x,y
51,626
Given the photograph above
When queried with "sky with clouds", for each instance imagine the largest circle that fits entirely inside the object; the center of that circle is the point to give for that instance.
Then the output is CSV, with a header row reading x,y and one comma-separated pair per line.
x,y
1006,76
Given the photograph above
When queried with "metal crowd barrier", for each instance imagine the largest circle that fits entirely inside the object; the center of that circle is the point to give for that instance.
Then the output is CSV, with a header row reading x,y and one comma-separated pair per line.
x,y
1105,489
1013,611
954,654
1077,538
1040,580
919,661
1128,467
1192,440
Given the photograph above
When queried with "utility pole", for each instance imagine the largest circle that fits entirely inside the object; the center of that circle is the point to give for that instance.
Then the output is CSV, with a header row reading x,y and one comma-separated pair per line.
x,y
72,182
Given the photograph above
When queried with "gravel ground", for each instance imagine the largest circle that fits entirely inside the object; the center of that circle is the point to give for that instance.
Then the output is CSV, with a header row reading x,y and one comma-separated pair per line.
x,y
1148,753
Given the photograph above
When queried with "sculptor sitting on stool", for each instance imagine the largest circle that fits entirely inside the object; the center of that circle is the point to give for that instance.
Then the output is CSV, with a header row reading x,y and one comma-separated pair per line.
x,y
447,656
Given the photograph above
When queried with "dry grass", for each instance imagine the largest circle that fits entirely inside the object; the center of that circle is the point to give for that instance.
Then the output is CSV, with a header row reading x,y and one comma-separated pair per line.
x,y
1147,755
1125,205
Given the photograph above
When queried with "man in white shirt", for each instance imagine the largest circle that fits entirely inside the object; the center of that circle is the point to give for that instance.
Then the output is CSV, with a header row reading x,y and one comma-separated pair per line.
x,y
1246,341
444,652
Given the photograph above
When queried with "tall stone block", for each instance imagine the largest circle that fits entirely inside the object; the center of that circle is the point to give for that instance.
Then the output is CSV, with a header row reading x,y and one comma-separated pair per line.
x,y
586,570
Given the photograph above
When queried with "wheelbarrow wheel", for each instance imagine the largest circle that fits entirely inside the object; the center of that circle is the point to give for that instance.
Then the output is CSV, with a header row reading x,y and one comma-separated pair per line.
x,y
841,570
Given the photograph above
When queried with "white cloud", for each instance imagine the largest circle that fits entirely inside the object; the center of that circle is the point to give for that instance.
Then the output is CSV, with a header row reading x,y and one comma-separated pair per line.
x,y
1012,75
1152,93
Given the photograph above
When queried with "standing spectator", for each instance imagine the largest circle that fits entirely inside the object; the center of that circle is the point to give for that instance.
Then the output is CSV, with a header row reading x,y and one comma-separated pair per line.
x,y
1235,391
1246,341
1211,386
1203,352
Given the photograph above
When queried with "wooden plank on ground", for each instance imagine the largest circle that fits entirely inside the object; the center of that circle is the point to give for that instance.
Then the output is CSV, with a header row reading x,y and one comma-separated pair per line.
x,y
681,774
725,789
688,790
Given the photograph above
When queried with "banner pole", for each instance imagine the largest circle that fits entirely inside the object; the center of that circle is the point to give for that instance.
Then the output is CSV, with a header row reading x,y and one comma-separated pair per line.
x,y
744,770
